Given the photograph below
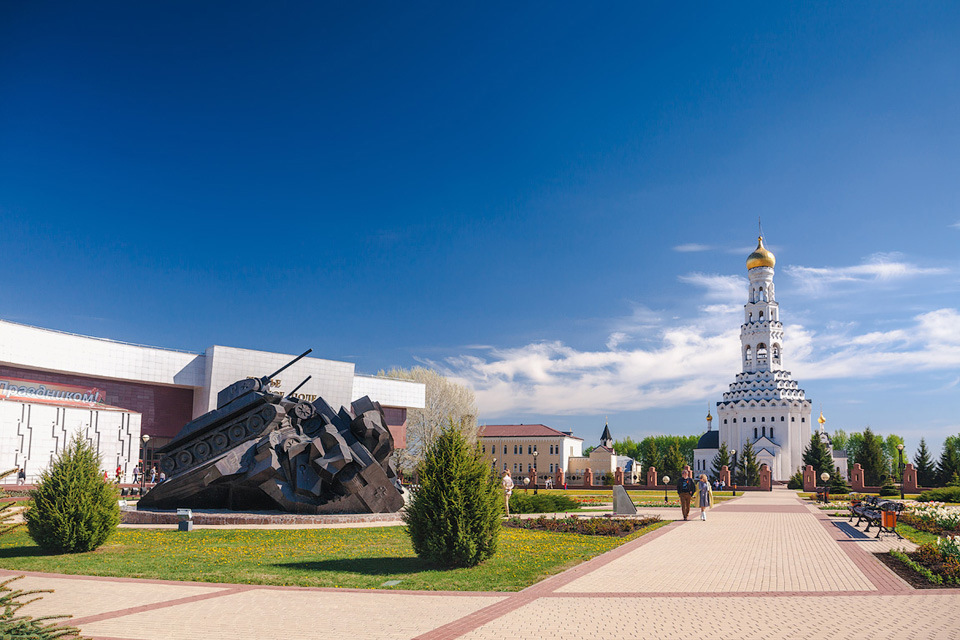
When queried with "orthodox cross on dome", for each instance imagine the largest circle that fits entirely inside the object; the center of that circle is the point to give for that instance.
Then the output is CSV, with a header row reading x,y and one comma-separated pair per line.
x,y
709,418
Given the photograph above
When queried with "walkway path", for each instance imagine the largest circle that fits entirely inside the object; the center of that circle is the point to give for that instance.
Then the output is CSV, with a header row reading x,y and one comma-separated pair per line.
x,y
762,566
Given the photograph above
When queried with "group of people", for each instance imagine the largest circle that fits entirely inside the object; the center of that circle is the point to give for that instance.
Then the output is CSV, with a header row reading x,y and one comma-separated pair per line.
x,y
687,487
154,478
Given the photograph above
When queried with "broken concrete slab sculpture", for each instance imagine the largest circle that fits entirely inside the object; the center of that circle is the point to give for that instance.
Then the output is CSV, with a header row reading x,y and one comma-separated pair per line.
x,y
622,504
263,451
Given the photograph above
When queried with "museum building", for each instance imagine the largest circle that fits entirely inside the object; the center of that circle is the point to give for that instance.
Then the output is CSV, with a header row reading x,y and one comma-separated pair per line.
x,y
54,383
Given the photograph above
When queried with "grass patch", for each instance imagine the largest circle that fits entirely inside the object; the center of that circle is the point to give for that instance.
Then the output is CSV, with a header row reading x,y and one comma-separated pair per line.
x,y
358,558
915,535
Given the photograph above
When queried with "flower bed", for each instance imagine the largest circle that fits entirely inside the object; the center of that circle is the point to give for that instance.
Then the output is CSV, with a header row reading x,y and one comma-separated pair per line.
x,y
938,562
589,501
934,517
586,526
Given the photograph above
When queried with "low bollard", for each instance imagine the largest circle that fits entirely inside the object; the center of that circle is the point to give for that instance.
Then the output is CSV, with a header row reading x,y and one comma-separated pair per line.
x,y
185,519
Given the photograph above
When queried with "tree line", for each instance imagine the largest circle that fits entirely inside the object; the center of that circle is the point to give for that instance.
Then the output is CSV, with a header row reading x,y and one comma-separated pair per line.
x,y
669,454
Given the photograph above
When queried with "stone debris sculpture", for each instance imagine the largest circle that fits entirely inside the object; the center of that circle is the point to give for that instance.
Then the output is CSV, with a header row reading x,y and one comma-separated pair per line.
x,y
260,450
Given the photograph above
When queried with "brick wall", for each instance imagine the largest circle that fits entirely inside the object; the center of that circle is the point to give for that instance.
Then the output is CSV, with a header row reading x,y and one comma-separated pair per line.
x,y
164,409
397,424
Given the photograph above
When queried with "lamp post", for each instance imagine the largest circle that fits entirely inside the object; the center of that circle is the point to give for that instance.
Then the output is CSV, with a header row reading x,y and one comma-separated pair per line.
x,y
733,476
900,453
826,491
143,464
666,480
536,477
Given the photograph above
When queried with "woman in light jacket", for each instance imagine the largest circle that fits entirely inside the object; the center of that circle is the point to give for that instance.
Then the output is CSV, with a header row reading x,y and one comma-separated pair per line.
x,y
706,496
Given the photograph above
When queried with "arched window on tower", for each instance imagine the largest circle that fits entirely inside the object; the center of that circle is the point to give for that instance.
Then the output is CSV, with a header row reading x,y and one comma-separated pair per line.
x,y
747,356
761,354
776,354
761,297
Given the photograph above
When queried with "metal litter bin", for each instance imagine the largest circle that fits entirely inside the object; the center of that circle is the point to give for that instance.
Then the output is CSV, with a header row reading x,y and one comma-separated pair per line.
x,y
185,519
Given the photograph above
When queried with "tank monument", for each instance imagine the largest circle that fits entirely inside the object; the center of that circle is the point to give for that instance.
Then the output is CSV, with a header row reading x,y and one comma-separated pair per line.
x,y
263,451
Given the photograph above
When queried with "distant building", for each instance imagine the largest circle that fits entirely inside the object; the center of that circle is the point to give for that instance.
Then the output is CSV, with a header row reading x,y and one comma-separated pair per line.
x,y
512,447
840,461
764,405
602,460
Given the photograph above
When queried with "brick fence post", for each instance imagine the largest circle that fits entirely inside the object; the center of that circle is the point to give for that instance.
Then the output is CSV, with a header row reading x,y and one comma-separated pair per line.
x,y
766,478
809,479
856,478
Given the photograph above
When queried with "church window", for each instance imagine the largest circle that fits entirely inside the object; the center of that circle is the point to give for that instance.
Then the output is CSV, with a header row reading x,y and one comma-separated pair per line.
x,y
781,418
793,418
514,449
504,449
753,419
803,419
734,420
748,354
754,432
761,353
764,432
763,419
725,420
771,433
761,316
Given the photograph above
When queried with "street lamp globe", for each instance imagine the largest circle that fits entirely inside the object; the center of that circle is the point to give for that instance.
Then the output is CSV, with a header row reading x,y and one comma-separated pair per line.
x,y
824,476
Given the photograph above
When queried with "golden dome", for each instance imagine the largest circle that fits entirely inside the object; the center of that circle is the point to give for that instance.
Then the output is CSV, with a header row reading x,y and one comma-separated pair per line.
x,y
709,417
761,257
821,419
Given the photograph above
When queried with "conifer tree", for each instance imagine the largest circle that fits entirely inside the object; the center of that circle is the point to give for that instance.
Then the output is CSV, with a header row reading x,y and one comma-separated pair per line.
x,y
949,460
454,517
818,455
674,461
720,460
748,471
871,458
649,454
74,509
926,470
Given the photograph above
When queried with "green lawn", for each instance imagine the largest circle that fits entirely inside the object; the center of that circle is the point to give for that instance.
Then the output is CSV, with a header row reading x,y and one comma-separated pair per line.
x,y
358,558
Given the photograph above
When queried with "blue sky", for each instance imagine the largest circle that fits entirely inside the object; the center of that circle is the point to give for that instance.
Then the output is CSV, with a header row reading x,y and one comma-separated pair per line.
x,y
552,202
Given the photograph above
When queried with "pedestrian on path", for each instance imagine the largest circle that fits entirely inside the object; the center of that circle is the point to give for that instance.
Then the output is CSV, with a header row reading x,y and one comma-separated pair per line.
x,y
706,496
686,488
21,475
507,488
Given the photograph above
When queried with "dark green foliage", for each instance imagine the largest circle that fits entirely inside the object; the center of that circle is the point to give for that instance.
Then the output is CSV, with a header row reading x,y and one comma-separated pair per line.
x,y
795,481
673,461
954,481
926,469
748,472
892,455
871,458
817,454
888,488
947,494
838,484
584,526
949,460
627,447
14,627
609,478
73,510
654,450
722,459
541,503
454,517
649,454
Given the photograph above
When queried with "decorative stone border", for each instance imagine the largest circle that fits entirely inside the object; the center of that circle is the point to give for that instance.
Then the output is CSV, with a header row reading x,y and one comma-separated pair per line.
x,y
132,516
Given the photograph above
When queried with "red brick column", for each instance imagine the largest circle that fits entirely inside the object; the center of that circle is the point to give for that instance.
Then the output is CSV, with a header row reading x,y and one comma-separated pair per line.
x,y
725,475
910,479
652,478
766,478
856,478
561,478
809,479
618,476
587,478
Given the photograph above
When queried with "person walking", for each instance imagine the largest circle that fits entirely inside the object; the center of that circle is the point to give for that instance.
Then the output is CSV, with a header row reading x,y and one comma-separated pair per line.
x,y
685,488
706,496
153,474
507,488
21,475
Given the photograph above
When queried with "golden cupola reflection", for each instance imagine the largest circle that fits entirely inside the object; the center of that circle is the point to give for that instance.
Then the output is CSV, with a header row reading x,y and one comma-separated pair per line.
x,y
761,256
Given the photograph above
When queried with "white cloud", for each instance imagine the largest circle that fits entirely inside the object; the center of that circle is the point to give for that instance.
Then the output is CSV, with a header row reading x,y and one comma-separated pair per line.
x,y
692,247
616,339
955,225
689,363
728,289
878,268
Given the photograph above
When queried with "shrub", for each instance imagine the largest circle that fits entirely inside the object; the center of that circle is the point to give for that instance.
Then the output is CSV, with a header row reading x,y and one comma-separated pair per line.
x,y
795,481
838,484
74,509
888,488
946,494
454,517
541,503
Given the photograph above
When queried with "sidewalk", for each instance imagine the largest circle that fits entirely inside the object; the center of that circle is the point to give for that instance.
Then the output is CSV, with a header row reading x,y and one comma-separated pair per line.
x,y
764,565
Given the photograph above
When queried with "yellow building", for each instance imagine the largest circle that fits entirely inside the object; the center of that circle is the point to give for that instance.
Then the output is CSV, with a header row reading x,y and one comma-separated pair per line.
x,y
519,447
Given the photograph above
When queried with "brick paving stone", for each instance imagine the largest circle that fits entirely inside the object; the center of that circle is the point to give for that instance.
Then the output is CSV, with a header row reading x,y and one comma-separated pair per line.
x,y
292,615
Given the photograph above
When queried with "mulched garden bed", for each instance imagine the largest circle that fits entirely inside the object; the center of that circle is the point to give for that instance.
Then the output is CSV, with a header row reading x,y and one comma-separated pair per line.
x,y
618,527
913,578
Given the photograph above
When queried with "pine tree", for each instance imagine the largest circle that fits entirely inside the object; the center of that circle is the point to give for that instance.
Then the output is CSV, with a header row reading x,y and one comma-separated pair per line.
x,y
649,454
926,470
871,458
949,460
73,510
674,461
748,472
454,517
818,455
722,459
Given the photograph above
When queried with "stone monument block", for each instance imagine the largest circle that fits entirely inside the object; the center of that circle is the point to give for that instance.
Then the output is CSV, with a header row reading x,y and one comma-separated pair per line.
x,y
622,504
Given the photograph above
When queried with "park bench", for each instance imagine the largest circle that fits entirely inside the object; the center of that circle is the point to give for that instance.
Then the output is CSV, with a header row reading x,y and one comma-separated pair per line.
x,y
877,511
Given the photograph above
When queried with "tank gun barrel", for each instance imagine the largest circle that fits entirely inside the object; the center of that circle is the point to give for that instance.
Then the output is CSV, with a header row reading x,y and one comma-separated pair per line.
x,y
289,364
297,388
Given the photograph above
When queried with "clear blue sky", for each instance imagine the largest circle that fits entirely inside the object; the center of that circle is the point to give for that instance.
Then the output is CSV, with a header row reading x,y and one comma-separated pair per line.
x,y
551,201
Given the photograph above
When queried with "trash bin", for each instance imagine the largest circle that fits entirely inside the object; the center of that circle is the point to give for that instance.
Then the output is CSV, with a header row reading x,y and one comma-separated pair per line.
x,y
889,519
185,519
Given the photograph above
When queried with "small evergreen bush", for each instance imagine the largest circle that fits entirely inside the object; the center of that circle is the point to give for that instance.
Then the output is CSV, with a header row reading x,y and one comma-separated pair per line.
x,y
888,489
74,509
795,481
454,517
541,503
838,485
946,494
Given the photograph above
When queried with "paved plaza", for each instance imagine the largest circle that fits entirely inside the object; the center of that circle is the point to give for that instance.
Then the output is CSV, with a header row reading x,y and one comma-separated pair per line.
x,y
764,565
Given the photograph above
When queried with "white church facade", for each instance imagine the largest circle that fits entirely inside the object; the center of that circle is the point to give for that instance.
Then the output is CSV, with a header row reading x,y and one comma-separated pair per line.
x,y
764,405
